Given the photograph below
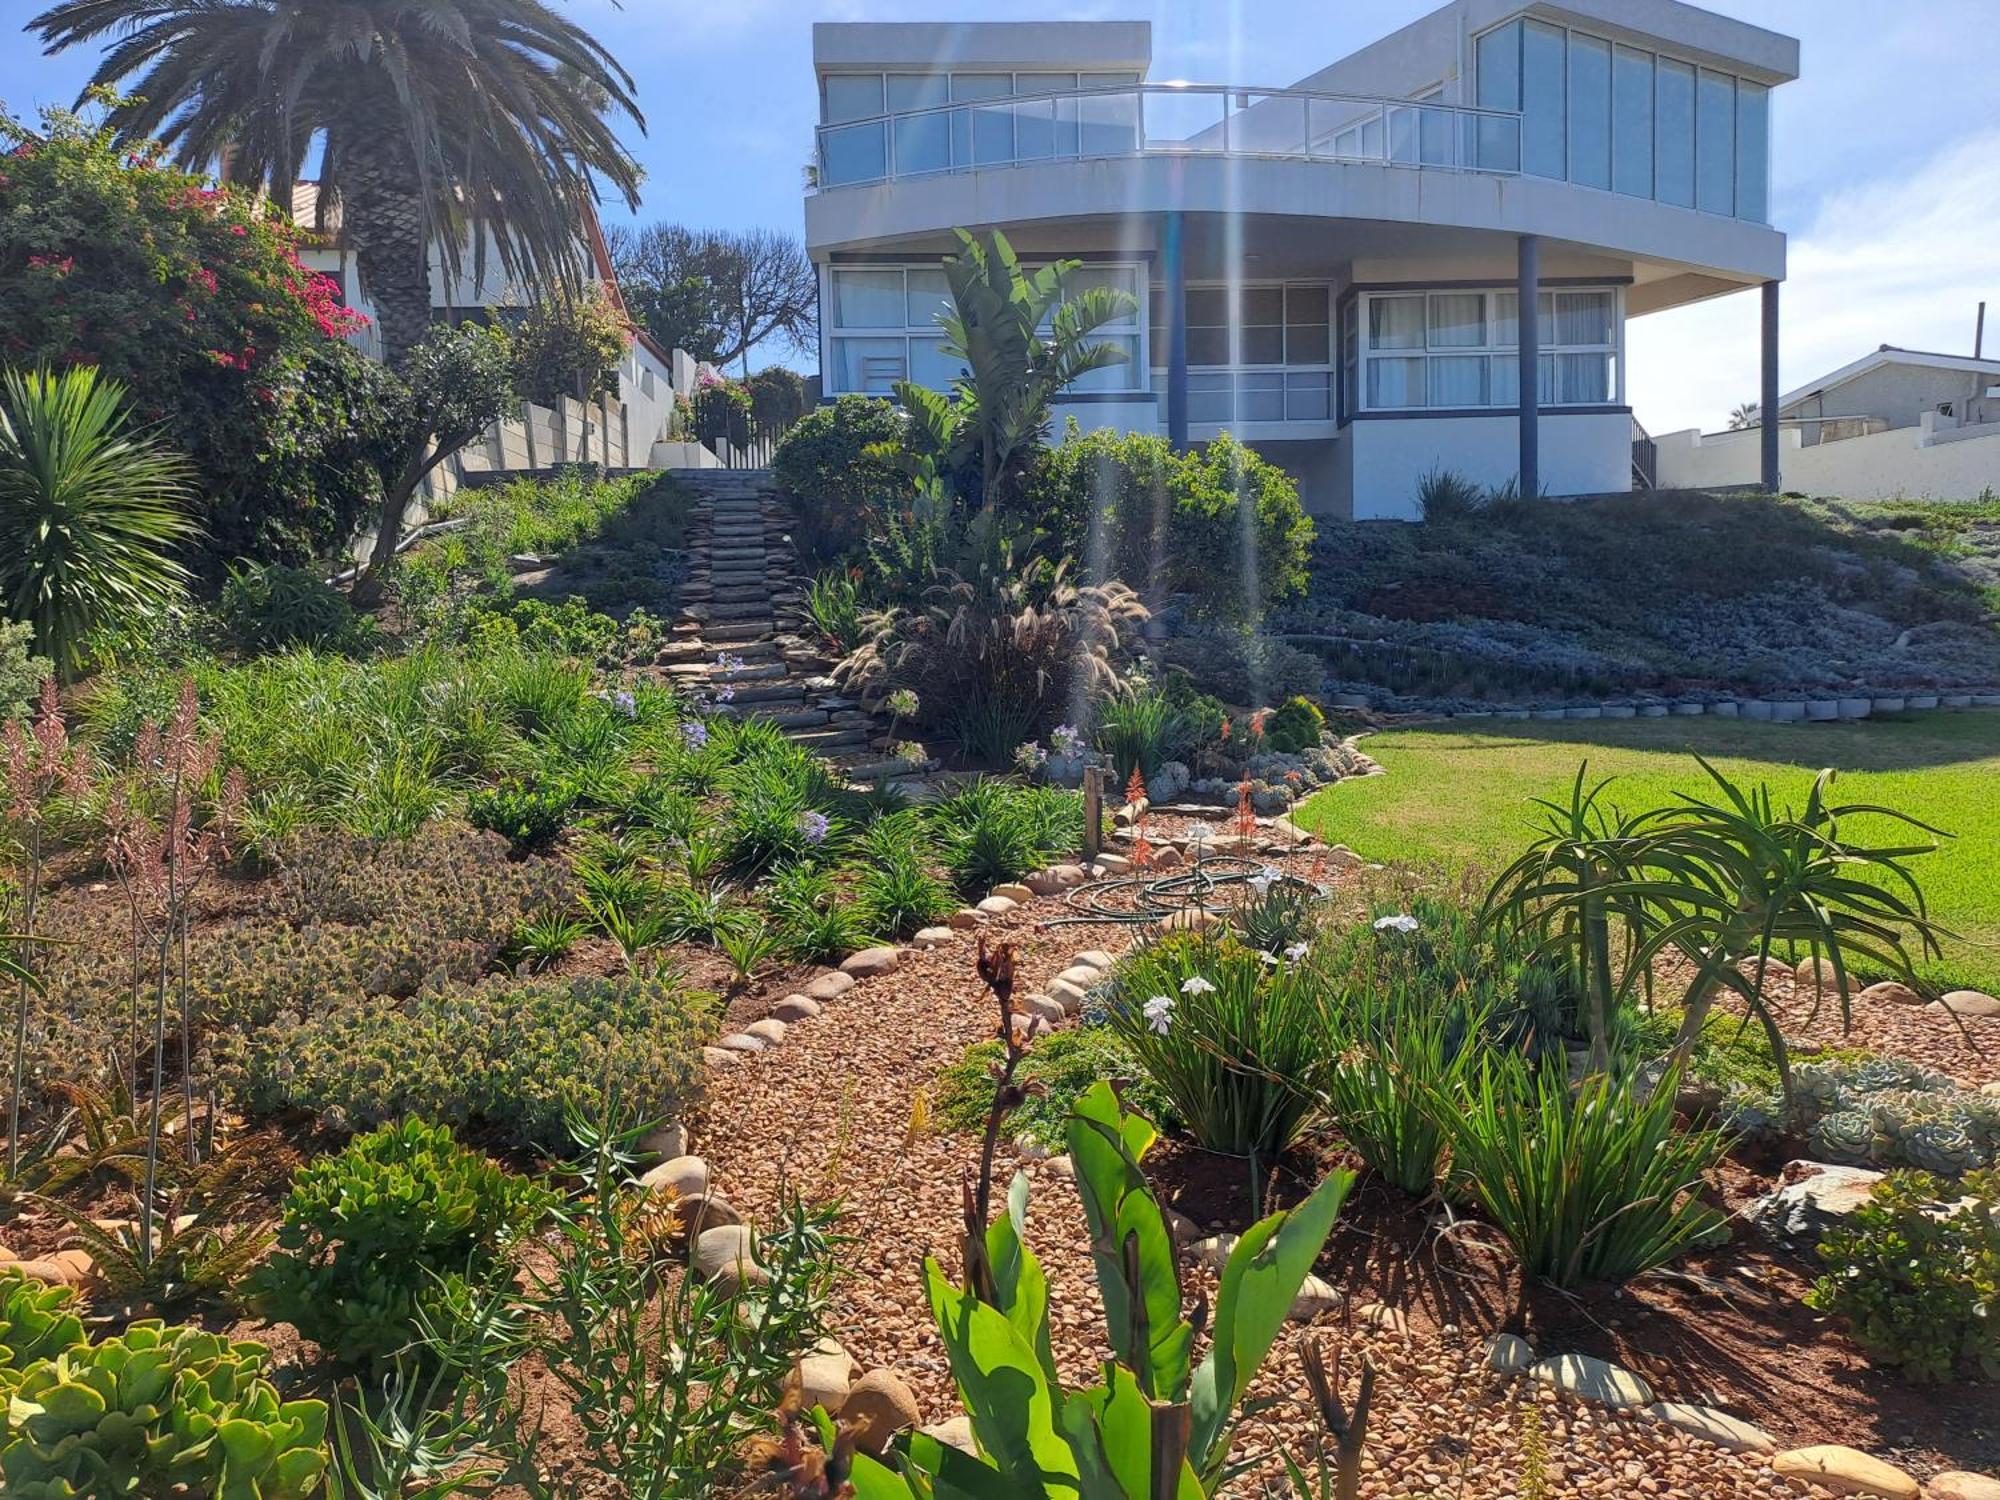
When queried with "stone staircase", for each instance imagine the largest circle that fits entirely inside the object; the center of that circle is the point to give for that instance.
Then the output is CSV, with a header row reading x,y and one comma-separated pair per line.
x,y
742,641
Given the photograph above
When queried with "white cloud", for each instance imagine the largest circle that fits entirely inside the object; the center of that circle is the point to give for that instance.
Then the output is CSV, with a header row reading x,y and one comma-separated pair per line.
x,y
1900,259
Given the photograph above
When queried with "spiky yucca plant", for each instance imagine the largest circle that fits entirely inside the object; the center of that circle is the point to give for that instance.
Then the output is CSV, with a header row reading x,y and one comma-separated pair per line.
x,y
90,510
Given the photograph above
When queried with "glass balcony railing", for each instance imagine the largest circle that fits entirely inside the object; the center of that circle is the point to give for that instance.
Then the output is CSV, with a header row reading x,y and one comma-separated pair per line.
x,y
1167,119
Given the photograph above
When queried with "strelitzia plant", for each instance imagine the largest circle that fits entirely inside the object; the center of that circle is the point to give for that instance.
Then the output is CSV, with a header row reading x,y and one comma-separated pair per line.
x,y
1158,1426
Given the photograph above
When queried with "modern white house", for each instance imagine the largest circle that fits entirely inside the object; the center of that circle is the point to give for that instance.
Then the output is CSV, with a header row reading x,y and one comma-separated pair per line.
x,y
1332,270
1896,423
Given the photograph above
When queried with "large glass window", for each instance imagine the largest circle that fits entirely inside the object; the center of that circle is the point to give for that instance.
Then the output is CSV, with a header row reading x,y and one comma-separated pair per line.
x,y
989,126
1459,350
1632,122
1753,151
1307,325
1589,111
1545,122
1269,362
1608,115
1715,144
1674,139
883,327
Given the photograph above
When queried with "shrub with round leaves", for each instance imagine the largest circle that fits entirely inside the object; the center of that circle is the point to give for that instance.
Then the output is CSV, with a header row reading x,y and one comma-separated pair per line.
x,y
374,1234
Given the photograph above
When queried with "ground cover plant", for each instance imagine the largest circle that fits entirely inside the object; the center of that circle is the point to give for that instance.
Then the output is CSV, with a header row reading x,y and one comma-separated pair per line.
x,y
1657,592
1933,767
1915,1273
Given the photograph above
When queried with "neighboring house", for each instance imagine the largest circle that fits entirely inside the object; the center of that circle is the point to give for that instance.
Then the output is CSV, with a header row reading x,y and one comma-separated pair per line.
x,y
1894,423
621,432
1332,271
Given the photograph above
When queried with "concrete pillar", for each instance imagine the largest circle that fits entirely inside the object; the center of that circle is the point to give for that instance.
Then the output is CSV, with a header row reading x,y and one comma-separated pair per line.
x,y
1527,283
1767,409
1173,270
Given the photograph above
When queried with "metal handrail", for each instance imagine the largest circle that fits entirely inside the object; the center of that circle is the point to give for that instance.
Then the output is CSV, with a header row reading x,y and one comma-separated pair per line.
x,y
1395,132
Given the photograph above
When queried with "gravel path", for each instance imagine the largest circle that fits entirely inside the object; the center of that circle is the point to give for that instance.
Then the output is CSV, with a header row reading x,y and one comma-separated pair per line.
x,y
828,1113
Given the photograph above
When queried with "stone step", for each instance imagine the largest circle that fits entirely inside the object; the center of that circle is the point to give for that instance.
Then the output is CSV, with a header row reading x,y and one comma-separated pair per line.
x,y
776,692
759,555
832,739
767,672
755,609
739,593
798,718
736,630
888,770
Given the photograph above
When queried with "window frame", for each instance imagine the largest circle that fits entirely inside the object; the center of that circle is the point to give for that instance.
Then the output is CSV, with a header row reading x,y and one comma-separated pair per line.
x,y
1138,272
1354,321
1302,382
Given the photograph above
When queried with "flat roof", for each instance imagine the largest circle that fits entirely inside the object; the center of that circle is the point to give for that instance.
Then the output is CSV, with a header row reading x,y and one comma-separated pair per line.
x,y
1064,46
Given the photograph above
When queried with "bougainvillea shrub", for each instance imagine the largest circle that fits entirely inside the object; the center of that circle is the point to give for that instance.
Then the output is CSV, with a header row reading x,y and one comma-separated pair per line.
x,y
196,298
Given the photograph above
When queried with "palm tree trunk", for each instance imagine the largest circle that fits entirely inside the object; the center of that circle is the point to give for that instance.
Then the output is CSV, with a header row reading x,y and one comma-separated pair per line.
x,y
382,216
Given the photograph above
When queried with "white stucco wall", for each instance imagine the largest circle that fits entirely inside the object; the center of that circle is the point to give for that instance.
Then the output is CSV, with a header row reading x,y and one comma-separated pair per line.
x,y
1582,453
1915,463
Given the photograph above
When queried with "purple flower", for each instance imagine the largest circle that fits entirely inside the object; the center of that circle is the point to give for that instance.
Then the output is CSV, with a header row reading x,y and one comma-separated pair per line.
x,y
813,826
625,703
1067,741
694,734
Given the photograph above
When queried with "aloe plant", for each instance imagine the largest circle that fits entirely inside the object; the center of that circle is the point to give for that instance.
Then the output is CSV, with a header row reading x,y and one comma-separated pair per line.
x,y
1722,883
1158,1426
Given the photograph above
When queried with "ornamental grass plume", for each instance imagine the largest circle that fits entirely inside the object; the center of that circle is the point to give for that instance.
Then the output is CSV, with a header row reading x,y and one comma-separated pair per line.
x,y
168,833
42,767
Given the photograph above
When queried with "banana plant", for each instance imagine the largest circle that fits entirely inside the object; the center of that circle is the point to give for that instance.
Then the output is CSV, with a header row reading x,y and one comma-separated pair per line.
x,y
1158,1426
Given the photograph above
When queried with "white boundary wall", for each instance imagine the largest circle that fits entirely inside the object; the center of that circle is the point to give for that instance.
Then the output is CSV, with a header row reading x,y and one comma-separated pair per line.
x,y
1933,461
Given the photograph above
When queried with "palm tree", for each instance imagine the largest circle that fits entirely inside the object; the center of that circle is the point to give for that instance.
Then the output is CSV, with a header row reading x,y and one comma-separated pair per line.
x,y
1020,338
89,510
1745,415
439,121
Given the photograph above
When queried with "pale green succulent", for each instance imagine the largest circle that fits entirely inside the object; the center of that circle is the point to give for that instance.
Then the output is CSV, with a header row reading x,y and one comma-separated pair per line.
x,y
158,1410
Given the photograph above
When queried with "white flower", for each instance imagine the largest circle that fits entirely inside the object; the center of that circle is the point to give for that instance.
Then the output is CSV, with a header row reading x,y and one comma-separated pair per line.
x,y
1297,951
1268,960
1194,984
1200,833
1264,879
1401,922
1157,1011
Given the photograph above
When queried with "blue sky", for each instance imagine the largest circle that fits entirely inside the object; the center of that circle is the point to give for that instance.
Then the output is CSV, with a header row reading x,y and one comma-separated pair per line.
x,y
1886,172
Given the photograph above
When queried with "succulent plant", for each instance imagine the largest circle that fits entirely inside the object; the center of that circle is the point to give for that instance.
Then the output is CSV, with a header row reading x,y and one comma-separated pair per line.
x,y
370,1233
158,1410
1885,1112
36,1322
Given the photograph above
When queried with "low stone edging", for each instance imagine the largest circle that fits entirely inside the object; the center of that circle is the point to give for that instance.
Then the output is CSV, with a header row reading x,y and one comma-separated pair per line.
x,y
1782,709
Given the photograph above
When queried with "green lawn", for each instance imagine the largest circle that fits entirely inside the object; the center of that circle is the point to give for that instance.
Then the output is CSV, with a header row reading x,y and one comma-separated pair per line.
x,y
1460,796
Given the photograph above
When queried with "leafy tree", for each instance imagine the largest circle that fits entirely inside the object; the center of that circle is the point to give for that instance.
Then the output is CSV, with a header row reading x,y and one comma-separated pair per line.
x,y
459,380
195,300
1745,414
89,509
777,397
569,340
718,294
997,416
437,122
